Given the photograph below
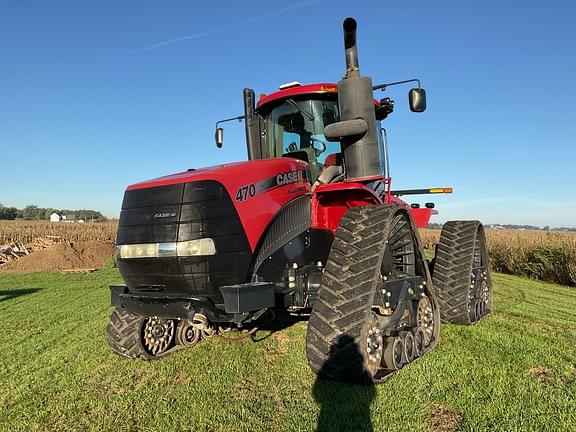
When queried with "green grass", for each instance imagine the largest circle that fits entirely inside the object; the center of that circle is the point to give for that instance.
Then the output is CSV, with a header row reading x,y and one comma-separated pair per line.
x,y
57,372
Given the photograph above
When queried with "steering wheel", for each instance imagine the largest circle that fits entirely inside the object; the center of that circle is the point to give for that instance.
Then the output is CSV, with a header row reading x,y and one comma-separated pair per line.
x,y
322,149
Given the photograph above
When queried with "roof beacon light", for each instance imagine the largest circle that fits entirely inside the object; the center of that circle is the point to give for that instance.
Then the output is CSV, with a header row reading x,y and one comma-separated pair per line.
x,y
290,85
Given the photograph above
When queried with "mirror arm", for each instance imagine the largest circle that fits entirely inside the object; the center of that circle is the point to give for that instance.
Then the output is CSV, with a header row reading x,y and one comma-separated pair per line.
x,y
219,135
384,86
239,118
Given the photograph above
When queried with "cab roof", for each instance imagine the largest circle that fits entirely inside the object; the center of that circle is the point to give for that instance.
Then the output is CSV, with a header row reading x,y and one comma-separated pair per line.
x,y
322,88
297,90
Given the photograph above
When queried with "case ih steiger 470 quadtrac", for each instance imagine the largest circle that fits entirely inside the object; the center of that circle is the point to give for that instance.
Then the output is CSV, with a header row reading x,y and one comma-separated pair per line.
x,y
309,223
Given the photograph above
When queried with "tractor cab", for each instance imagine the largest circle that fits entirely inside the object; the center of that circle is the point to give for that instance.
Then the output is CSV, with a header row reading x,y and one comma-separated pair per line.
x,y
294,123
290,123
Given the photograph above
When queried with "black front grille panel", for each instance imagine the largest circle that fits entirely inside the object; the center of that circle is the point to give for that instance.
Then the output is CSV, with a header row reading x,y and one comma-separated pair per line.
x,y
140,220
201,209
153,197
149,215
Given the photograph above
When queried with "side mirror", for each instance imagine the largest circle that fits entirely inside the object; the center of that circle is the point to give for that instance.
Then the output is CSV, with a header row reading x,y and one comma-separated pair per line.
x,y
417,98
219,137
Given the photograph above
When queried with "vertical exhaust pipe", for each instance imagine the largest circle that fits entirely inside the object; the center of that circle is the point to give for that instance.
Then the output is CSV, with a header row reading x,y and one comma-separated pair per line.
x,y
351,52
360,147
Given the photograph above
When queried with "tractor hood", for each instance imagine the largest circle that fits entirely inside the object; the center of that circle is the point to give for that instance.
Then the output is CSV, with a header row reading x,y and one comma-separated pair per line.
x,y
232,174
256,190
228,207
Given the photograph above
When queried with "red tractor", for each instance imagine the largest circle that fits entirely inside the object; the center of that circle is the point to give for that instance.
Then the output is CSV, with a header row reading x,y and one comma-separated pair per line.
x,y
308,224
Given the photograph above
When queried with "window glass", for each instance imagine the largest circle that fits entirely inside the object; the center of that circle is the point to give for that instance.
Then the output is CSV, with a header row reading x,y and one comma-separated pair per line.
x,y
296,126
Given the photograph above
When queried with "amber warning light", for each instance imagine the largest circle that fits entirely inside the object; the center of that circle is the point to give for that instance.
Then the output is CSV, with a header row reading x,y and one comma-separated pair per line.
x,y
421,191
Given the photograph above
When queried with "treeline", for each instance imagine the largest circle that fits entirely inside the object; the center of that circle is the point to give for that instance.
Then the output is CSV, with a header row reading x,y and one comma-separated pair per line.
x,y
33,212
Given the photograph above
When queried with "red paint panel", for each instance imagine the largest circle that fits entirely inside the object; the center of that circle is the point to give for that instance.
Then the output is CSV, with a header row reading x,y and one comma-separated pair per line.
x,y
330,202
240,179
422,216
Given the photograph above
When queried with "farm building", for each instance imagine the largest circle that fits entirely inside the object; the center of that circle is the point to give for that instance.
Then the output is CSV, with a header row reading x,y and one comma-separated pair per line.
x,y
58,217
69,218
55,217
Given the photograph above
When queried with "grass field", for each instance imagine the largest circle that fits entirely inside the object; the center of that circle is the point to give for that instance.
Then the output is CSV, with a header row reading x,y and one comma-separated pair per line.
x,y
514,371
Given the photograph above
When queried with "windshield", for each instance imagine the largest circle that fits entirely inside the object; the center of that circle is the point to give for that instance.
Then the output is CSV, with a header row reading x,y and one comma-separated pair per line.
x,y
298,127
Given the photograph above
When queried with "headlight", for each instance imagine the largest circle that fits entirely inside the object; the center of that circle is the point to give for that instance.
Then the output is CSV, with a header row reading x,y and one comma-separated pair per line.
x,y
200,247
149,250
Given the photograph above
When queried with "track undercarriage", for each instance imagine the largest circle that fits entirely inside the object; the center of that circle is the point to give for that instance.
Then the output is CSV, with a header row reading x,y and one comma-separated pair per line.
x,y
135,336
375,312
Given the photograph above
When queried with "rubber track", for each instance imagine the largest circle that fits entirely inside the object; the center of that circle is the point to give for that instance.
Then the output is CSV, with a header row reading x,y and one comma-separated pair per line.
x,y
453,268
333,344
123,334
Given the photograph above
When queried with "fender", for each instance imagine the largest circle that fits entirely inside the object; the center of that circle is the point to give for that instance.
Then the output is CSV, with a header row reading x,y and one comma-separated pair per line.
x,y
289,222
290,244
331,201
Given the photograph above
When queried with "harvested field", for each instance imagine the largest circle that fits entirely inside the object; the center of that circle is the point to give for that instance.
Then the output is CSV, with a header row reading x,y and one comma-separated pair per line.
x,y
535,254
27,231
33,246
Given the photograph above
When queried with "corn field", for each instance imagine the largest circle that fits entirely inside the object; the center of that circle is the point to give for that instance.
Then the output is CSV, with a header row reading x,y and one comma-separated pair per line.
x,y
26,232
535,254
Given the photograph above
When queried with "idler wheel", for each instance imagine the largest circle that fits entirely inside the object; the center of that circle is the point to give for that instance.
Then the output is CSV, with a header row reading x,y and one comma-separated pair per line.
x,y
374,342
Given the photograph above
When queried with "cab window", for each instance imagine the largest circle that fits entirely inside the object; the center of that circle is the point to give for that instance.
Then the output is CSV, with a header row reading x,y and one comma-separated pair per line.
x,y
298,127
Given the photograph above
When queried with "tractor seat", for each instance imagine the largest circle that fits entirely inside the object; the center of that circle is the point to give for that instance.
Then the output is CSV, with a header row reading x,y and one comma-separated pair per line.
x,y
332,172
333,159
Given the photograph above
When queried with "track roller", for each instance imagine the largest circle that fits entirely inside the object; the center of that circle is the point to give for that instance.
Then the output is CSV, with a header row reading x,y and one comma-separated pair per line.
x,y
394,353
187,335
419,342
409,346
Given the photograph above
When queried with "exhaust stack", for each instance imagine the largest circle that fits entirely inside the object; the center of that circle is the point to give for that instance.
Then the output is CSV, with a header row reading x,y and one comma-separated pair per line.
x,y
357,128
351,52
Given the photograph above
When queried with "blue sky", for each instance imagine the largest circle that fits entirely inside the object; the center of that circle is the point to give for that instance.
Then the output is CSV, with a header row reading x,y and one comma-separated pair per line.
x,y
98,95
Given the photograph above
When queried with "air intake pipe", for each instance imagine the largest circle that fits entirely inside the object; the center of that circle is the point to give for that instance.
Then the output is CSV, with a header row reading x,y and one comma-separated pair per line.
x,y
357,129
